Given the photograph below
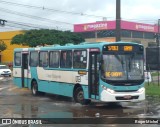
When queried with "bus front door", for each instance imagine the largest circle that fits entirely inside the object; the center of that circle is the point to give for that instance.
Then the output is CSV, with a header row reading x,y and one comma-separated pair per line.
x,y
93,75
24,70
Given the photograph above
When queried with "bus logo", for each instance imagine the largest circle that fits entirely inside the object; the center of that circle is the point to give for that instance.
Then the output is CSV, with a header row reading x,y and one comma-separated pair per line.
x,y
6,121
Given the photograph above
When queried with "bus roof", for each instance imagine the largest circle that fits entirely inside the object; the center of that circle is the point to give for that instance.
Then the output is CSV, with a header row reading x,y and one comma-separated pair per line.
x,y
72,46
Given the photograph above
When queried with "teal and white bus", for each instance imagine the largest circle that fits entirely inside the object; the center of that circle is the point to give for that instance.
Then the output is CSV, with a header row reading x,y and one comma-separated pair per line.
x,y
108,72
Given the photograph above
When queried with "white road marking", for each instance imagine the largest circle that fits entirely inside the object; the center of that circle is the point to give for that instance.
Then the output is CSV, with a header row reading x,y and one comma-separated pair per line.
x,y
4,88
10,89
1,78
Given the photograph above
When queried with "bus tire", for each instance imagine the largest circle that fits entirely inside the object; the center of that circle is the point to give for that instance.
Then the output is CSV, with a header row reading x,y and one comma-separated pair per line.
x,y
35,88
79,97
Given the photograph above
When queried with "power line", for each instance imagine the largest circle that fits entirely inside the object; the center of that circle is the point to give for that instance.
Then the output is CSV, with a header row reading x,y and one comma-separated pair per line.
x,y
32,16
28,25
22,27
52,10
31,26
15,26
8,26
141,20
67,12
35,26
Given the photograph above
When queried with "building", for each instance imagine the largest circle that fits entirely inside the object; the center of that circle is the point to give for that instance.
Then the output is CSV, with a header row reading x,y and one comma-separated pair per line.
x,y
93,32
7,55
105,31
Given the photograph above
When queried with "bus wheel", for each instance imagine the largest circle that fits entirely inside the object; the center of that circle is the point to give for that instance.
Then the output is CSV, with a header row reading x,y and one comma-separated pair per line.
x,y
79,95
34,88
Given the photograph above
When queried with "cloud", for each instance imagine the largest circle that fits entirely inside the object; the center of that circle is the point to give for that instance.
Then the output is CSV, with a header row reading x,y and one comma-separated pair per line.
x,y
141,10
86,11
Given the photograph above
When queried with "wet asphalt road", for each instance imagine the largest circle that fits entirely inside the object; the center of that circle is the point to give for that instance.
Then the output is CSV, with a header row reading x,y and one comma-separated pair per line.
x,y
19,103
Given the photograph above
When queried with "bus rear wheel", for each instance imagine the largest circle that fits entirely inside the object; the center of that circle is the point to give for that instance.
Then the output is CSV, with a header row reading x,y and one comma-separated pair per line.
x,y
79,97
35,88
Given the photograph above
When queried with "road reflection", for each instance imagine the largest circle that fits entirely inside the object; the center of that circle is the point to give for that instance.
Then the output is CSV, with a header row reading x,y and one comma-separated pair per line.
x,y
19,103
50,106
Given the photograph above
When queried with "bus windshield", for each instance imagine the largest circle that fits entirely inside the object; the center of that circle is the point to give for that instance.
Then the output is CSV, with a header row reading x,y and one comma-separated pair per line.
x,y
123,67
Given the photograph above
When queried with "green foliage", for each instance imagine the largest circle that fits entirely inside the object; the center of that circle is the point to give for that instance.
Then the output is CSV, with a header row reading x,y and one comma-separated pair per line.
x,y
3,46
18,39
152,89
43,37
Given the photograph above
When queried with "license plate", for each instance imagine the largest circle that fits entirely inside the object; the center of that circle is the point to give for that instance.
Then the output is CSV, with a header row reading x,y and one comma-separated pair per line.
x,y
128,97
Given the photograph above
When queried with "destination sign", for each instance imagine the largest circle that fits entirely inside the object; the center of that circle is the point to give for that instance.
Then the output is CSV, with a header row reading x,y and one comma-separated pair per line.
x,y
119,48
113,48
128,48
113,74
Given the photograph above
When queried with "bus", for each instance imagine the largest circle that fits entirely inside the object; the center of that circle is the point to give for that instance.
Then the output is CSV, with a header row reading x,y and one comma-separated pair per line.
x,y
107,72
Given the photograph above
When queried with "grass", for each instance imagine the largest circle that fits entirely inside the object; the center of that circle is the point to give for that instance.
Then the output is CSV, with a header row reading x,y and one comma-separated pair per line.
x,y
154,74
152,89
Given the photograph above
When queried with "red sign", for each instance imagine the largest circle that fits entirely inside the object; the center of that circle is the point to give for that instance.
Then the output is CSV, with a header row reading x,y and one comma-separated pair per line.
x,y
138,26
111,25
104,25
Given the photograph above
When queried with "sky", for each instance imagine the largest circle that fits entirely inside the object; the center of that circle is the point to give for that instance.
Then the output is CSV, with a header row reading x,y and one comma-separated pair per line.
x,y
62,14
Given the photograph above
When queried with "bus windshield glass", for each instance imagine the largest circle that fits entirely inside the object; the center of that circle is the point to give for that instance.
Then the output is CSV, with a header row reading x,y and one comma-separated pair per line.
x,y
123,67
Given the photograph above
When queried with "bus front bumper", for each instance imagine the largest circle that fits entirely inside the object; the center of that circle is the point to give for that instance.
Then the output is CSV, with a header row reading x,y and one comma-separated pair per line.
x,y
112,96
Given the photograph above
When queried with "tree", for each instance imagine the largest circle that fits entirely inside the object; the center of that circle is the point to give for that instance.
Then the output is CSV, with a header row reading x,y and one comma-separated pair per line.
x,y
43,37
3,46
18,39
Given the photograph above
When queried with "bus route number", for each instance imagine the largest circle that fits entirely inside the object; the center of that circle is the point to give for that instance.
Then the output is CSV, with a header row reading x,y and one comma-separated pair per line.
x,y
113,48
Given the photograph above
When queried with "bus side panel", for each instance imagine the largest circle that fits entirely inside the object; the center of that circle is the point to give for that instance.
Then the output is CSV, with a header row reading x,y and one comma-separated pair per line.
x,y
17,82
29,83
61,82
56,81
17,76
85,91
64,89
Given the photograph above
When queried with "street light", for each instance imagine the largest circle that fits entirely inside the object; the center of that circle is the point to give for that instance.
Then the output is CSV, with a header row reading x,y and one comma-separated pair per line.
x,y
2,22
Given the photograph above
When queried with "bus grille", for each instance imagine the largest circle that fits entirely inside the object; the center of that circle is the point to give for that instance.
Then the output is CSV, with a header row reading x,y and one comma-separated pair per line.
x,y
124,84
123,98
125,90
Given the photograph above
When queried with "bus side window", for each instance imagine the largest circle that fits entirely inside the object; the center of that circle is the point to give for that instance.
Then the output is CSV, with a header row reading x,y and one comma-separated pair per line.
x,y
66,59
79,59
69,59
34,59
17,59
54,59
43,59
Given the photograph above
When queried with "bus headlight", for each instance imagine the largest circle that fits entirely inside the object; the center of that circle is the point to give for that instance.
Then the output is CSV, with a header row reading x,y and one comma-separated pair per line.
x,y
107,89
141,90
110,90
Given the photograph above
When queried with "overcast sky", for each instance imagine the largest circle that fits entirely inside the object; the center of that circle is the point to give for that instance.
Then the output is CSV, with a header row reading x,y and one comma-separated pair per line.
x,y
62,14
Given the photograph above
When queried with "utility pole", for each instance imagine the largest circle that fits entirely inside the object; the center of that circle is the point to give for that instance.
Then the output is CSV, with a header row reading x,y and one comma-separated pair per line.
x,y
2,23
118,20
158,45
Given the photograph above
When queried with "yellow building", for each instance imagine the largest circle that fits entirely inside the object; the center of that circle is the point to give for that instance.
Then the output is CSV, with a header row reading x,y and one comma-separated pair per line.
x,y
6,37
